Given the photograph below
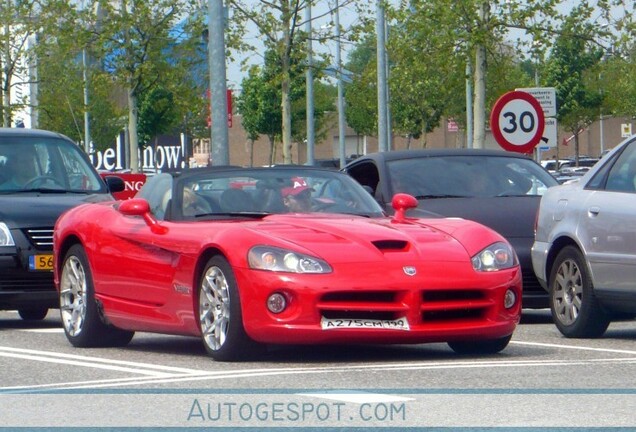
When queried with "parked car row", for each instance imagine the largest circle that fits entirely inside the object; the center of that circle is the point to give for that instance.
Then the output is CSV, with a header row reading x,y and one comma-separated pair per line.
x,y
565,170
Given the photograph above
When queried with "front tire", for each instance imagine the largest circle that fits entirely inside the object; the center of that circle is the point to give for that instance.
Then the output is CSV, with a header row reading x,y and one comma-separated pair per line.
x,y
33,314
220,315
81,318
575,309
489,346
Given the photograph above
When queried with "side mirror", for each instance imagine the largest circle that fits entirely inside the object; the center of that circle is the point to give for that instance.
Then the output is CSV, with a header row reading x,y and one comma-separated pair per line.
x,y
115,184
140,207
134,207
402,202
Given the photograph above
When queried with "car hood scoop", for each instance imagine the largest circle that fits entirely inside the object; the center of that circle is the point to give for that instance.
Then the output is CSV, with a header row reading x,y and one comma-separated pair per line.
x,y
390,245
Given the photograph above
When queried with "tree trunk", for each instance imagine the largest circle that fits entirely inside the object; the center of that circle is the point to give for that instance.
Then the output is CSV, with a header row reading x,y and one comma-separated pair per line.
x,y
272,144
251,152
132,131
479,112
6,83
285,55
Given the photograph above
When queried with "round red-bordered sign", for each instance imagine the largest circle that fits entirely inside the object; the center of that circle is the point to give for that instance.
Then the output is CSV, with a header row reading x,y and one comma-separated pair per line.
x,y
517,121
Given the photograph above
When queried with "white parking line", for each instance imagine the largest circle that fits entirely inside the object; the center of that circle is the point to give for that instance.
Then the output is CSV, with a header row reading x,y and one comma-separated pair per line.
x,y
574,347
95,362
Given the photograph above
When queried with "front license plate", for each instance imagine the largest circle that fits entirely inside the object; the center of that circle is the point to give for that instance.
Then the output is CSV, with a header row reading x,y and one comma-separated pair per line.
x,y
398,324
41,262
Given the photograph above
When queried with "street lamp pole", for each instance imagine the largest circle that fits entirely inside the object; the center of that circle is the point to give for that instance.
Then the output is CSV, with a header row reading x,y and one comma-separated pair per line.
x,y
381,78
309,78
219,135
87,121
341,114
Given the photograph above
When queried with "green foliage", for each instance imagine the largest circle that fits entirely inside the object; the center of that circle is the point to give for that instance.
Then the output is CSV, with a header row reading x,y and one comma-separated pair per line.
x,y
259,103
22,23
156,114
573,55
361,109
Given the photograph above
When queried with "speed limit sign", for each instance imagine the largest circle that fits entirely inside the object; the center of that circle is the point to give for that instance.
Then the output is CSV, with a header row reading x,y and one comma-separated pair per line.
x,y
517,121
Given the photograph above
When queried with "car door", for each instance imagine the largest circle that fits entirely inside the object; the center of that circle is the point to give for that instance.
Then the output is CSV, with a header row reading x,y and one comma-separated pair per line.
x,y
607,226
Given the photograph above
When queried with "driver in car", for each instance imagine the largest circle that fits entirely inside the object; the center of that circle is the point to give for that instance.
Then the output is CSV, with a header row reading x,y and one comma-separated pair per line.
x,y
19,170
297,197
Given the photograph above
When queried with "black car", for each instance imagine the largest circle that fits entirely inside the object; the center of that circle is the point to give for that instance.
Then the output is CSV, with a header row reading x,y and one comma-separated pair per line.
x,y
42,174
499,189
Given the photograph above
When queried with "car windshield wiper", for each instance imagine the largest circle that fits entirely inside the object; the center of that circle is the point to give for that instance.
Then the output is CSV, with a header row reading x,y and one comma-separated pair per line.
x,y
254,215
440,196
46,190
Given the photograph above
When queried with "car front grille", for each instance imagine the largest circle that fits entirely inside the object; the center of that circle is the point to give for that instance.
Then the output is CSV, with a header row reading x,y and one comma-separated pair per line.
x,y
433,306
41,238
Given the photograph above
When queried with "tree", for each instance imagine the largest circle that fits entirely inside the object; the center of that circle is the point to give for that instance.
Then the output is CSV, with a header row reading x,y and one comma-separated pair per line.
x,y
139,44
258,103
573,55
361,109
477,28
280,23
61,102
26,30
259,108
251,105
156,113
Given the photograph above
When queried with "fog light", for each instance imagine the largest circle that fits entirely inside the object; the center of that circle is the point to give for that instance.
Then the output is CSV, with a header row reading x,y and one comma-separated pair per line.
x,y
276,303
510,298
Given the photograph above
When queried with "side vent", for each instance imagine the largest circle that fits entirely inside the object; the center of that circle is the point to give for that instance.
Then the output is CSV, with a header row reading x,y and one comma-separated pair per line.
x,y
390,245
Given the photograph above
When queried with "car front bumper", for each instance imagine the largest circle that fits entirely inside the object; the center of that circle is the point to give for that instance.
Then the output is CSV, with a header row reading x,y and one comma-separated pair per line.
x,y
22,288
443,302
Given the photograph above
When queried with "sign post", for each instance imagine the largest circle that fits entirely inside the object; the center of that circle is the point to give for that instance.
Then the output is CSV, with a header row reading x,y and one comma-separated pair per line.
x,y
517,122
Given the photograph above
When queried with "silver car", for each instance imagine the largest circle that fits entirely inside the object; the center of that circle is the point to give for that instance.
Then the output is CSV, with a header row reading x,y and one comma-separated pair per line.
x,y
584,252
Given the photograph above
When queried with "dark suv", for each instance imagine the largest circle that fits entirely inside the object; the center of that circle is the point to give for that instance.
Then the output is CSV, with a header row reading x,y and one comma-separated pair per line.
x,y
42,174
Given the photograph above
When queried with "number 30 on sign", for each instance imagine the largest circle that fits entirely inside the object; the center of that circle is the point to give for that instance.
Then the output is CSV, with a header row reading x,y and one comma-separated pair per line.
x,y
517,121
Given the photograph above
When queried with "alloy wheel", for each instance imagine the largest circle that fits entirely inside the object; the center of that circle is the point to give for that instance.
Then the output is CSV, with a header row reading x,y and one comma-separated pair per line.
x,y
73,296
214,308
568,292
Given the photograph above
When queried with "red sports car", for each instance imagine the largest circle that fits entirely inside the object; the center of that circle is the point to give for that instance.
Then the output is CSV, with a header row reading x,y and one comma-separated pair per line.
x,y
244,257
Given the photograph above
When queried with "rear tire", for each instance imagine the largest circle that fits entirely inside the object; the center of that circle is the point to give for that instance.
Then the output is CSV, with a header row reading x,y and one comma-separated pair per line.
x,y
488,346
220,315
33,314
81,318
575,309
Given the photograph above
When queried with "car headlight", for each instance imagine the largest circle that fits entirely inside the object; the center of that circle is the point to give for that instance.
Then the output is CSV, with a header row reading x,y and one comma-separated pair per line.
x,y
6,239
283,260
497,256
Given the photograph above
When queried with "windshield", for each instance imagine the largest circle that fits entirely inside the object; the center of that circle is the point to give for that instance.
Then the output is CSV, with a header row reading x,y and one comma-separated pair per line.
x,y
262,191
468,176
45,164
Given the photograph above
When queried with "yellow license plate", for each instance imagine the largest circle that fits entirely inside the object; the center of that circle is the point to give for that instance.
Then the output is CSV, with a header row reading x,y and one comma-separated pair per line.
x,y
41,262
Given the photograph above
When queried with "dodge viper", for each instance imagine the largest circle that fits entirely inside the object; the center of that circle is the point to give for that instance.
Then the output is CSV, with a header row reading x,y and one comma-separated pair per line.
x,y
245,257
